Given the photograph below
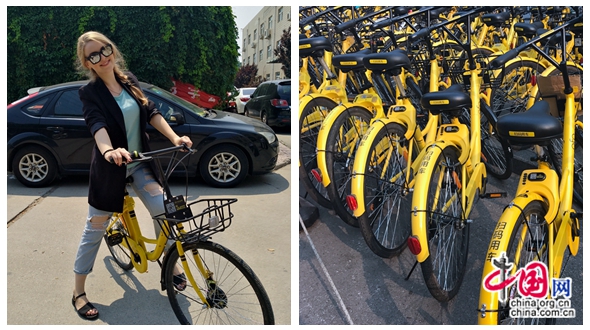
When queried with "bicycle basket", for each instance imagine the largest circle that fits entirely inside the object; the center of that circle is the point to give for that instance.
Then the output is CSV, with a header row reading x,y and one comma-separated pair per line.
x,y
215,217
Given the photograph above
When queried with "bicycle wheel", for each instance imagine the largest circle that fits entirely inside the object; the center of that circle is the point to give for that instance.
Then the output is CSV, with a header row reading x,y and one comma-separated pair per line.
x,y
342,143
528,242
511,90
113,238
310,121
232,290
448,233
496,152
385,225
556,156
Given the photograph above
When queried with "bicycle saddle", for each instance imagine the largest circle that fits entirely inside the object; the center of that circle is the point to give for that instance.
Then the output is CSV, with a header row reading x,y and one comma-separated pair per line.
x,y
528,30
450,101
392,61
314,46
495,19
351,61
534,126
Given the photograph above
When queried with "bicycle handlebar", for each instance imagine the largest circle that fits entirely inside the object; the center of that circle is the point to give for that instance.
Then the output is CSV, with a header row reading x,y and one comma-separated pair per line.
x,y
139,157
502,59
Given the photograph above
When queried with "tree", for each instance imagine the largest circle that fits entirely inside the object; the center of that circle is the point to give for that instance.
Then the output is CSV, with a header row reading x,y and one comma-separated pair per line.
x,y
246,76
196,45
283,52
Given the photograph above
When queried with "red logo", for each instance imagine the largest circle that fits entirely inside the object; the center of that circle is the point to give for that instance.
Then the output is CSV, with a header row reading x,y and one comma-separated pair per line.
x,y
533,280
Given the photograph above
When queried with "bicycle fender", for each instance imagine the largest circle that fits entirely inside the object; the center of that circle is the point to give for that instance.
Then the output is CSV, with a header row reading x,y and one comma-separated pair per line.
x,y
323,140
360,160
488,300
164,267
418,214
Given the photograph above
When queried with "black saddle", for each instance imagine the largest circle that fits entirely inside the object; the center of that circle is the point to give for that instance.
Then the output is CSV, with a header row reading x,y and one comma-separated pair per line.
x,y
391,62
351,61
314,46
451,101
534,126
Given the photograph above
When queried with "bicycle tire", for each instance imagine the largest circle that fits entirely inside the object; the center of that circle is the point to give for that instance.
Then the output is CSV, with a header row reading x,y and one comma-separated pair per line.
x,y
119,252
556,154
236,297
512,89
384,224
309,125
348,127
531,235
496,152
444,182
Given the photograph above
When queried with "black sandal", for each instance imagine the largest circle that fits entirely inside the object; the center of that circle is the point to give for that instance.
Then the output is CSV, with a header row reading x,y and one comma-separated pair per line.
x,y
85,309
179,282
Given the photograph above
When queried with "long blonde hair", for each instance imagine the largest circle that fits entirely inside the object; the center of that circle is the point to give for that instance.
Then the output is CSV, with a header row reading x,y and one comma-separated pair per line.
x,y
118,61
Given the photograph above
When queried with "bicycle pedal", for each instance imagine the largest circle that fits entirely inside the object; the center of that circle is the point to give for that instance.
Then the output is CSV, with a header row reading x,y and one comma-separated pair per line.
x,y
494,195
114,239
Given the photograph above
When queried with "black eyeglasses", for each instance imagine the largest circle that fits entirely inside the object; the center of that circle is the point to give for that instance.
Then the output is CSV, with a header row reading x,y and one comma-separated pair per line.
x,y
106,51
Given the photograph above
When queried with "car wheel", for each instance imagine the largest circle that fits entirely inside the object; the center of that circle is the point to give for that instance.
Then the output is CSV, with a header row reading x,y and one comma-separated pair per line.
x,y
264,117
246,113
223,166
34,167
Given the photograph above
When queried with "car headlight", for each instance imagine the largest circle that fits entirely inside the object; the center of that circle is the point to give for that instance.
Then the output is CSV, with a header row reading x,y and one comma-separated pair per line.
x,y
270,137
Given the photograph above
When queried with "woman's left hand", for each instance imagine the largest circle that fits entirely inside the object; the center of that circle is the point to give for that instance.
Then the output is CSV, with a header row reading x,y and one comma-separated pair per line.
x,y
183,139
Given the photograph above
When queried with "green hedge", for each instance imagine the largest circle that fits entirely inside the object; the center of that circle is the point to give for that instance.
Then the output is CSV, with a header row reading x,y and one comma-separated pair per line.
x,y
196,45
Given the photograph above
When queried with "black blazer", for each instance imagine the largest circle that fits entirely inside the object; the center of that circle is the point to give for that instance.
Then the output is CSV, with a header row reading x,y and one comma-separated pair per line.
x,y
107,181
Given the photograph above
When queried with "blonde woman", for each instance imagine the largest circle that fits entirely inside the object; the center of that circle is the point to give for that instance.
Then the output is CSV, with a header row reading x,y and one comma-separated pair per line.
x,y
116,112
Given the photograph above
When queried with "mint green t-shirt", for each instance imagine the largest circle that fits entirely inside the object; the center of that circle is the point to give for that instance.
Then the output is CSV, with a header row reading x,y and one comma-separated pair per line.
x,y
130,110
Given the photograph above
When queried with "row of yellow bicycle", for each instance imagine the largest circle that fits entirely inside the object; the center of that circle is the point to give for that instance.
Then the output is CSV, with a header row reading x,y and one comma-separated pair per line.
x,y
405,111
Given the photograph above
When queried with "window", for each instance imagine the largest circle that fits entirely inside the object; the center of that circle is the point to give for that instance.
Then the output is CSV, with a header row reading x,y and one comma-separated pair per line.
x,y
270,22
254,58
267,76
260,56
248,39
165,108
262,30
280,14
248,60
244,44
269,52
278,75
68,105
34,109
255,34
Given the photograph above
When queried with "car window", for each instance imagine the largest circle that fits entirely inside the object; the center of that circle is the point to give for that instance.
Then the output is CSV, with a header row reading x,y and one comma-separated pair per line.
x,y
165,108
35,108
248,91
261,90
173,99
284,91
68,105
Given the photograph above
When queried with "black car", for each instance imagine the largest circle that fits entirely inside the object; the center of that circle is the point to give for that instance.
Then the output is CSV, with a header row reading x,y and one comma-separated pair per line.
x,y
271,103
48,138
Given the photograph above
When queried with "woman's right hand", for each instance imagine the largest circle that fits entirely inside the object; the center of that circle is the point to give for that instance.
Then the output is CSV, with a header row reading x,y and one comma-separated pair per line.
x,y
118,156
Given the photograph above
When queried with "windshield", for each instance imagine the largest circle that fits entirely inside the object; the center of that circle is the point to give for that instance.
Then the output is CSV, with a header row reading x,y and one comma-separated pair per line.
x,y
186,104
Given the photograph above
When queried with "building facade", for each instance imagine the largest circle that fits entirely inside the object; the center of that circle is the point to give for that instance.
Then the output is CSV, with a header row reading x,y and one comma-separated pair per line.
x,y
260,38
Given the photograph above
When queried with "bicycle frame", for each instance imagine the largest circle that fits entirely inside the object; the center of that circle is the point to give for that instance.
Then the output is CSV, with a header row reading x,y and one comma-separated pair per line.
x,y
135,242
474,174
406,118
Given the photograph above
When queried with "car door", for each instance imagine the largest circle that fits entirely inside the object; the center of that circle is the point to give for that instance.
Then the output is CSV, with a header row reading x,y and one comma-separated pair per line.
x,y
256,101
64,125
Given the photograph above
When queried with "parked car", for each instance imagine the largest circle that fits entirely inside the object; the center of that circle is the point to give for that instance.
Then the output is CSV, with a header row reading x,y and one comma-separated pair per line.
x,y
271,103
48,138
243,98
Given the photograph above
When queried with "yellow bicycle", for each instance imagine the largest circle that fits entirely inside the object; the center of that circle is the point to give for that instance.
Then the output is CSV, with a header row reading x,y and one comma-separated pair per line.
x,y
206,283
539,225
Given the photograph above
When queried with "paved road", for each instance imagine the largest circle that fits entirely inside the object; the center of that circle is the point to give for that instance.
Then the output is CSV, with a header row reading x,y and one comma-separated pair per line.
x,y
375,290
44,230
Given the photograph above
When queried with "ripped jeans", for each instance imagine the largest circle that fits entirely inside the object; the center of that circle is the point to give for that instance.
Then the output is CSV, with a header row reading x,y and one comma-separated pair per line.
x,y
149,192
